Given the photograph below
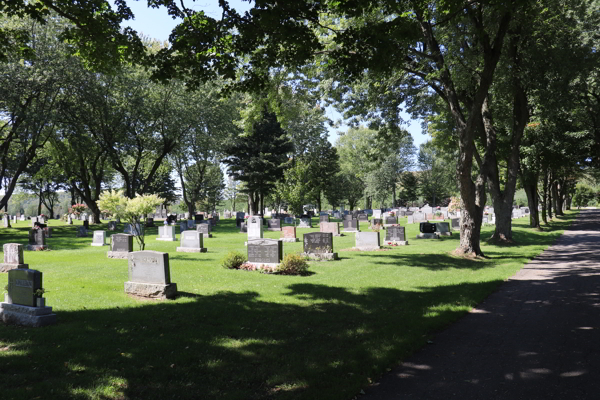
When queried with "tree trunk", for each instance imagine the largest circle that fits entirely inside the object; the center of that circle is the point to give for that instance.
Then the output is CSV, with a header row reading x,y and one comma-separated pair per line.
x,y
532,202
555,199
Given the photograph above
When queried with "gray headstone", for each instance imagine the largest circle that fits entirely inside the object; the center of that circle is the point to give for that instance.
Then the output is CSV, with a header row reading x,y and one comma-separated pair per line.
x,y
99,238
166,233
324,218
350,225
390,220
22,286
395,234
318,242
367,240
255,227
81,231
192,240
265,251
149,267
112,226
13,253
288,220
455,223
37,237
205,229
274,223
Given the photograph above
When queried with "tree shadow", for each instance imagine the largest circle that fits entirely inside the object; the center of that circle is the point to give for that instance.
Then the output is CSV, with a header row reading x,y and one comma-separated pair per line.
x,y
228,345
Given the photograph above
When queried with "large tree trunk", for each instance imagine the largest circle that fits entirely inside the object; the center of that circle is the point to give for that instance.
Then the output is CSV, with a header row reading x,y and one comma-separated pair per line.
x,y
532,202
555,199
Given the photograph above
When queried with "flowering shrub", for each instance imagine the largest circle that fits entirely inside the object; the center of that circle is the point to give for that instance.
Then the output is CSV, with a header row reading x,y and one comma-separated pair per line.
x,y
293,264
77,209
455,204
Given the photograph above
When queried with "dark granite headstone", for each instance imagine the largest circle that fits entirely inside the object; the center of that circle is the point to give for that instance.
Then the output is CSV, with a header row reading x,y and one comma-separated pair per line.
x,y
22,286
122,242
265,251
274,223
243,227
426,227
37,237
376,221
198,218
391,220
318,242
112,226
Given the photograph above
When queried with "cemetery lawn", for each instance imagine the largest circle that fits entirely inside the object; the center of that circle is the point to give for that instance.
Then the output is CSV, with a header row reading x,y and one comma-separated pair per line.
x,y
243,335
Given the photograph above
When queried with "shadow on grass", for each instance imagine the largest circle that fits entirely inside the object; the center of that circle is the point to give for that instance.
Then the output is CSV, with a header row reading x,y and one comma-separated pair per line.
x,y
228,345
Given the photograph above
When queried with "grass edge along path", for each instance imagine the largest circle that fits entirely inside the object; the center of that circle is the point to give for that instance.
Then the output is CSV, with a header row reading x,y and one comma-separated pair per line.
x,y
239,334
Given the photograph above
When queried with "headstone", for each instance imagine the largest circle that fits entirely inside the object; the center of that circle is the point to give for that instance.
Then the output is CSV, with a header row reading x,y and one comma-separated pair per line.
x,y
376,213
395,235
351,225
330,227
427,231
198,218
288,220
204,229
34,220
363,217
37,240
70,220
319,245
24,304
427,210
337,215
91,219
99,238
192,242
324,218
48,231
121,245
149,275
348,217
442,229
255,228
150,222
288,234
112,226
274,224
6,221
367,241
166,233
410,219
305,222
86,224
376,222
391,221
243,227
81,231
183,226
22,217
455,223
191,224
265,251
13,257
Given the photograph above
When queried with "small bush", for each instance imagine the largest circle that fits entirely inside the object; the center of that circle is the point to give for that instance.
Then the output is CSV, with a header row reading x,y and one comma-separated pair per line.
x,y
293,264
233,260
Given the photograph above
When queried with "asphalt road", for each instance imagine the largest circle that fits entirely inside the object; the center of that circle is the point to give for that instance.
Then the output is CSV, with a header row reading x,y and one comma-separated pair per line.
x,y
537,337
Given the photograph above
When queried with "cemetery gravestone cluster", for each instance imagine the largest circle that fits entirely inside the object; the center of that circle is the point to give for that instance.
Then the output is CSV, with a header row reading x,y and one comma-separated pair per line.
x,y
121,245
319,246
149,275
267,252
192,242
288,234
24,304
367,241
395,235
13,257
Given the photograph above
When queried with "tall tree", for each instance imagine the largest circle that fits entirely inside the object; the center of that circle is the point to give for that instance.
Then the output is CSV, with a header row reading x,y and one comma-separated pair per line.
x,y
259,158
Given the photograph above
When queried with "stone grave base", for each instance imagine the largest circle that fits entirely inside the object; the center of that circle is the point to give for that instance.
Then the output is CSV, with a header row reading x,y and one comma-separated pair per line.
x,y
8,267
427,236
303,227
207,236
259,265
444,233
118,254
274,229
99,244
321,256
396,242
367,248
347,231
151,290
27,316
167,239
290,240
191,249
35,247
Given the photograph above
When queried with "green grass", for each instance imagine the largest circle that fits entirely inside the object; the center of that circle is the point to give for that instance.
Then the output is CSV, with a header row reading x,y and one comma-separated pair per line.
x,y
237,334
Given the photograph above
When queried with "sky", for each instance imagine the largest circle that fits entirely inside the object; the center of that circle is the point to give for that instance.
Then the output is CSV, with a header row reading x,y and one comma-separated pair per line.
x,y
157,24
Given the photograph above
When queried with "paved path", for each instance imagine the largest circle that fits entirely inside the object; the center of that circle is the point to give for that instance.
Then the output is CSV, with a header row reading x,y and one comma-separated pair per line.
x,y
537,337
